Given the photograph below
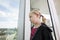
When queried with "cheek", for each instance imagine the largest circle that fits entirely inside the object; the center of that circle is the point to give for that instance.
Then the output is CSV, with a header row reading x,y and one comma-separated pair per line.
x,y
34,20
31,19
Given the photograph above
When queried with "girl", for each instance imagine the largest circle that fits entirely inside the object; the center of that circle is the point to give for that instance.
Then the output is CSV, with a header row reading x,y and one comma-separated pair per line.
x,y
39,31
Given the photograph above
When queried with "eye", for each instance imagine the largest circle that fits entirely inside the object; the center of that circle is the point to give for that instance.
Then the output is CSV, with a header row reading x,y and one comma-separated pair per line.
x,y
30,16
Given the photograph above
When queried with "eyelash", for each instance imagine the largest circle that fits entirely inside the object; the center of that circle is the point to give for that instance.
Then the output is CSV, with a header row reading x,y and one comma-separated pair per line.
x,y
30,16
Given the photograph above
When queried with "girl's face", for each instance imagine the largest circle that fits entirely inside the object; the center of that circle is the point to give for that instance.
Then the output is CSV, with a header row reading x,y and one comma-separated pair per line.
x,y
34,18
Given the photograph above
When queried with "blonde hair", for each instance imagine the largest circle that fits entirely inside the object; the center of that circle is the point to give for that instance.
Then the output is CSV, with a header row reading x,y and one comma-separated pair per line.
x,y
37,12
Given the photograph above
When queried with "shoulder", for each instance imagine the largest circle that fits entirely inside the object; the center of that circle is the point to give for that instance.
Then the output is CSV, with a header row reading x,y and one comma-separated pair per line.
x,y
44,27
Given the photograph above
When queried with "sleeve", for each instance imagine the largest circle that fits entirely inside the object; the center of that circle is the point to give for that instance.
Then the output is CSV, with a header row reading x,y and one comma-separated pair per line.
x,y
47,35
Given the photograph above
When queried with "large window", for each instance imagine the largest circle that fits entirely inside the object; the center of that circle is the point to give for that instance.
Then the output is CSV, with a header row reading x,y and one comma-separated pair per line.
x,y
9,10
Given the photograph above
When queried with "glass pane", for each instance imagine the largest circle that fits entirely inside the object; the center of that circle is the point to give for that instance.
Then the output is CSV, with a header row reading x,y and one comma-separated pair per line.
x,y
44,10
57,6
9,10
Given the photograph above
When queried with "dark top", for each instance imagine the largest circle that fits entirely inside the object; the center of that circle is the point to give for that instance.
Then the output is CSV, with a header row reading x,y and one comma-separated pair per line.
x,y
33,31
42,33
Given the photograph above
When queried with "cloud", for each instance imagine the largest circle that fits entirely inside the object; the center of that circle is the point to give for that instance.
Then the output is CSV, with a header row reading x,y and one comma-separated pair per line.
x,y
9,6
9,10
2,14
8,16
13,14
2,8
8,25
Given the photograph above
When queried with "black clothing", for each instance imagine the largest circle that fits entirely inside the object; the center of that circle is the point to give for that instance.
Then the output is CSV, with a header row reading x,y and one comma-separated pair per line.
x,y
43,33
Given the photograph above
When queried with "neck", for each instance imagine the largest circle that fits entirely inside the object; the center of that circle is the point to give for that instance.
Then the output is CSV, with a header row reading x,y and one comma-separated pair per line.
x,y
37,25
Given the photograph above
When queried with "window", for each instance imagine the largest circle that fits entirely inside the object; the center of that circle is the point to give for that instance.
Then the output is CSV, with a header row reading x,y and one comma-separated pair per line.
x,y
9,10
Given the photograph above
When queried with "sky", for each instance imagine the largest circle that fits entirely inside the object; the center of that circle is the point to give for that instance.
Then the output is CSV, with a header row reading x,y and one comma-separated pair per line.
x,y
9,10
